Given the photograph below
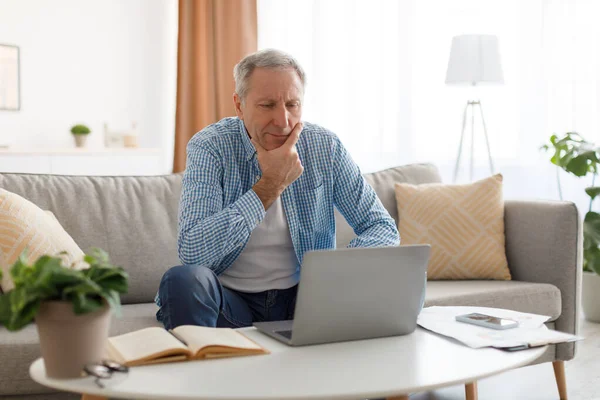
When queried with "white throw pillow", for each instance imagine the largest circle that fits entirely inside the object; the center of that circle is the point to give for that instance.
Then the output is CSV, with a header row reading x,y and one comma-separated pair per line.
x,y
23,225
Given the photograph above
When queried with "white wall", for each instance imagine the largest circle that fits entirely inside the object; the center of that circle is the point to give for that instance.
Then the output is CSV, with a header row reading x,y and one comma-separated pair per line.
x,y
92,61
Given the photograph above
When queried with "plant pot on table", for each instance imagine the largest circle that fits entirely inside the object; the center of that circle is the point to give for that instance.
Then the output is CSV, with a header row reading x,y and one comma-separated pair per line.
x,y
69,341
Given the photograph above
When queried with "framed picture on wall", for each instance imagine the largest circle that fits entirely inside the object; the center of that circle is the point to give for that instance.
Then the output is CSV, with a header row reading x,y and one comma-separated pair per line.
x,y
10,90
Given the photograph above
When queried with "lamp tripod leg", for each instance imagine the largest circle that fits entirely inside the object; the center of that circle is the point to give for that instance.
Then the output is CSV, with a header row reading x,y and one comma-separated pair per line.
x,y
472,139
487,141
460,145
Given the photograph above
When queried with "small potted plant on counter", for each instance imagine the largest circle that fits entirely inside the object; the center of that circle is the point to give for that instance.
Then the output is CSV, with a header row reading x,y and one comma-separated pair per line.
x,y
80,133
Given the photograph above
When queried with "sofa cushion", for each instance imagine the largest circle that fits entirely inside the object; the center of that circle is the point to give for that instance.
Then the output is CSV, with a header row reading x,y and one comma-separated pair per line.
x,y
133,218
463,223
383,184
26,227
535,298
19,349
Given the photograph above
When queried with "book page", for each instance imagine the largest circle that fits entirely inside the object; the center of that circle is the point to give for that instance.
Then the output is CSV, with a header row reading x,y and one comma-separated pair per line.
x,y
146,344
198,337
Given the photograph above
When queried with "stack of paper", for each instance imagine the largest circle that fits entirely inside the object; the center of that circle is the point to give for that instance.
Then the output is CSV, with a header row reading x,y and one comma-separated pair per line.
x,y
531,331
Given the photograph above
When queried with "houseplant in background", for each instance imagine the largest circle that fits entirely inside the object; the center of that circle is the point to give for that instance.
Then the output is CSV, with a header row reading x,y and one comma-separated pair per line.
x,y
80,133
71,308
579,157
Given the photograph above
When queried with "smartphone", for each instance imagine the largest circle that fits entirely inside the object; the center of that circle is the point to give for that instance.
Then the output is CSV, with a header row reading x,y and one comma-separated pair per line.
x,y
487,320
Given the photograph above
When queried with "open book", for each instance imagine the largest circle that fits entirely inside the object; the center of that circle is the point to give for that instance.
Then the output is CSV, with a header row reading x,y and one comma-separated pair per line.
x,y
186,342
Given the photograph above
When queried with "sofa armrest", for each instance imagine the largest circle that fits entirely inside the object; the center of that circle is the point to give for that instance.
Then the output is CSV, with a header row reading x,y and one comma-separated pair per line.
x,y
544,243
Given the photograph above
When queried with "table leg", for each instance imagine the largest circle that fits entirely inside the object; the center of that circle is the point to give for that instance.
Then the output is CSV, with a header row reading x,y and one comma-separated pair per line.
x,y
471,390
561,381
92,397
397,398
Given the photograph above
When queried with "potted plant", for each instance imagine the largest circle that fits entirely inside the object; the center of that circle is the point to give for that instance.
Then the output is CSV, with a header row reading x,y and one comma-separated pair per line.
x,y
80,133
578,157
71,308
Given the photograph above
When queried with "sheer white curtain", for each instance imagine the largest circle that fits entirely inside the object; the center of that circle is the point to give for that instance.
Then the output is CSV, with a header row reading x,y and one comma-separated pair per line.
x,y
376,73
359,84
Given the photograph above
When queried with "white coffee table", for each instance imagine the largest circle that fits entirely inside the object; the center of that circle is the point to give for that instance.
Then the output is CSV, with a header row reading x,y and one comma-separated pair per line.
x,y
389,367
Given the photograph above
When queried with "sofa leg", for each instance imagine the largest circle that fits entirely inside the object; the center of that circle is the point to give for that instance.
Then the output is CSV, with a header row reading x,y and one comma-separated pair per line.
x,y
561,381
471,390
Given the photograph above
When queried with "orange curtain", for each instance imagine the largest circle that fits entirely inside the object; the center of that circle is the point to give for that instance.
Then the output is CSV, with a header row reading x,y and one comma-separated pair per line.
x,y
213,36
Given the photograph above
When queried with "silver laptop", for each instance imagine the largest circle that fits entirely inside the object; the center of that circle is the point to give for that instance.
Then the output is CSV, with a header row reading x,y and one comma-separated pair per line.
x,y
352,294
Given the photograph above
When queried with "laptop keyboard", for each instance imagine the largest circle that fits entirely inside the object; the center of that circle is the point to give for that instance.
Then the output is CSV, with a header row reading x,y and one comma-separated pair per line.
x,y
286,334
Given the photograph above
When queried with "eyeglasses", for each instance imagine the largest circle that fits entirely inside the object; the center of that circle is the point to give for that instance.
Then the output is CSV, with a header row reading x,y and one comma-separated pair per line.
x,y
104,370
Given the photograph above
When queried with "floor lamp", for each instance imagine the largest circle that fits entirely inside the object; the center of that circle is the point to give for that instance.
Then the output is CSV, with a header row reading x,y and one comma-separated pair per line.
x,y
474,59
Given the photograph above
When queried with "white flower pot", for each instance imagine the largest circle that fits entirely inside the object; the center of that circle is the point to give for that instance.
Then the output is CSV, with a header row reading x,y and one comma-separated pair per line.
x,y
80,140
590,296
69,341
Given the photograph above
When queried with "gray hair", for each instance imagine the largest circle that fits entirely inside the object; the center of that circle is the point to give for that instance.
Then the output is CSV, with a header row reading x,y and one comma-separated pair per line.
x,y
268,58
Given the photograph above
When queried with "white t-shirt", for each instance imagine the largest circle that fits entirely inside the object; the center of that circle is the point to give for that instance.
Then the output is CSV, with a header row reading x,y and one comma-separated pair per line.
x,y
268,261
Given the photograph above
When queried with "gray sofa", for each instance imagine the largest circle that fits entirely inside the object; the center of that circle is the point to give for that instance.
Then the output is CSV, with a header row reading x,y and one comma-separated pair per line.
x,y
135,220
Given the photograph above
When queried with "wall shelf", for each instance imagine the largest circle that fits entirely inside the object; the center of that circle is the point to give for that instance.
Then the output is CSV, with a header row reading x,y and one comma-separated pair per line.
x,y
82,161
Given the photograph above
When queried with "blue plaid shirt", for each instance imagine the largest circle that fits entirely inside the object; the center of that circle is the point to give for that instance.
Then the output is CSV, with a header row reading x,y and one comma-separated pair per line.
x,y
219,210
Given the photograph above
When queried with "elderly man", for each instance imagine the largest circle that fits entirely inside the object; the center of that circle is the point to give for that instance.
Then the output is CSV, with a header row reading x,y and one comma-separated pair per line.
x,y
258,192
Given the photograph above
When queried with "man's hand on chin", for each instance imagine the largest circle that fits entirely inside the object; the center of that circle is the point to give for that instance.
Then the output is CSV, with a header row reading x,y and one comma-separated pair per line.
x,y
280,167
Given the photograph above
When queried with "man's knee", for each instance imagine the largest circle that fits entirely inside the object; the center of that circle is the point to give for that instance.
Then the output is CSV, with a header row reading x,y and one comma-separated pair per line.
x,y
188,295
192,274
195,279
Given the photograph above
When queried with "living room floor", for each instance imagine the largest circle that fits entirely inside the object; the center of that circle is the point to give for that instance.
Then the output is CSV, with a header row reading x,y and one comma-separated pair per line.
x,y
537,382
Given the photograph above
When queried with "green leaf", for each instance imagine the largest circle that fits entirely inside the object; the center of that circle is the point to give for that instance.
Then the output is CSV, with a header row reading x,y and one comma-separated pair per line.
x,y
114,300
591,229
572,153
566,159
49,276
591,242
19,298
595,265
20,270
592,260
5,312
97,257
556,159
27,315
83,304
593,191
23,307
578,166
85,287
109,278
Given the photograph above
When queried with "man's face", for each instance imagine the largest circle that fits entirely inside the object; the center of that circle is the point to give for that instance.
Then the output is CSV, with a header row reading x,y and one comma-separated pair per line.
x,y
273,105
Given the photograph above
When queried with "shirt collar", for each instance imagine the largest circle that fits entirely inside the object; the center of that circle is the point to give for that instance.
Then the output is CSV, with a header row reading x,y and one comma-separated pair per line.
x,y
248,146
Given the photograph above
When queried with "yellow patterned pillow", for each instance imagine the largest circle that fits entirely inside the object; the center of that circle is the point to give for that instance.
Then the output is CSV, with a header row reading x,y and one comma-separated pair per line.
x,y
25,225
463,223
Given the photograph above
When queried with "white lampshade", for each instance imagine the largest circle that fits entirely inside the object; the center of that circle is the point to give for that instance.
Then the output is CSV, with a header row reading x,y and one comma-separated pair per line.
x,y
474,59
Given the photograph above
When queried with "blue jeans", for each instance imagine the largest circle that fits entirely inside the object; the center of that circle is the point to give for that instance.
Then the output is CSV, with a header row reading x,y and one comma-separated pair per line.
x,y
193,295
